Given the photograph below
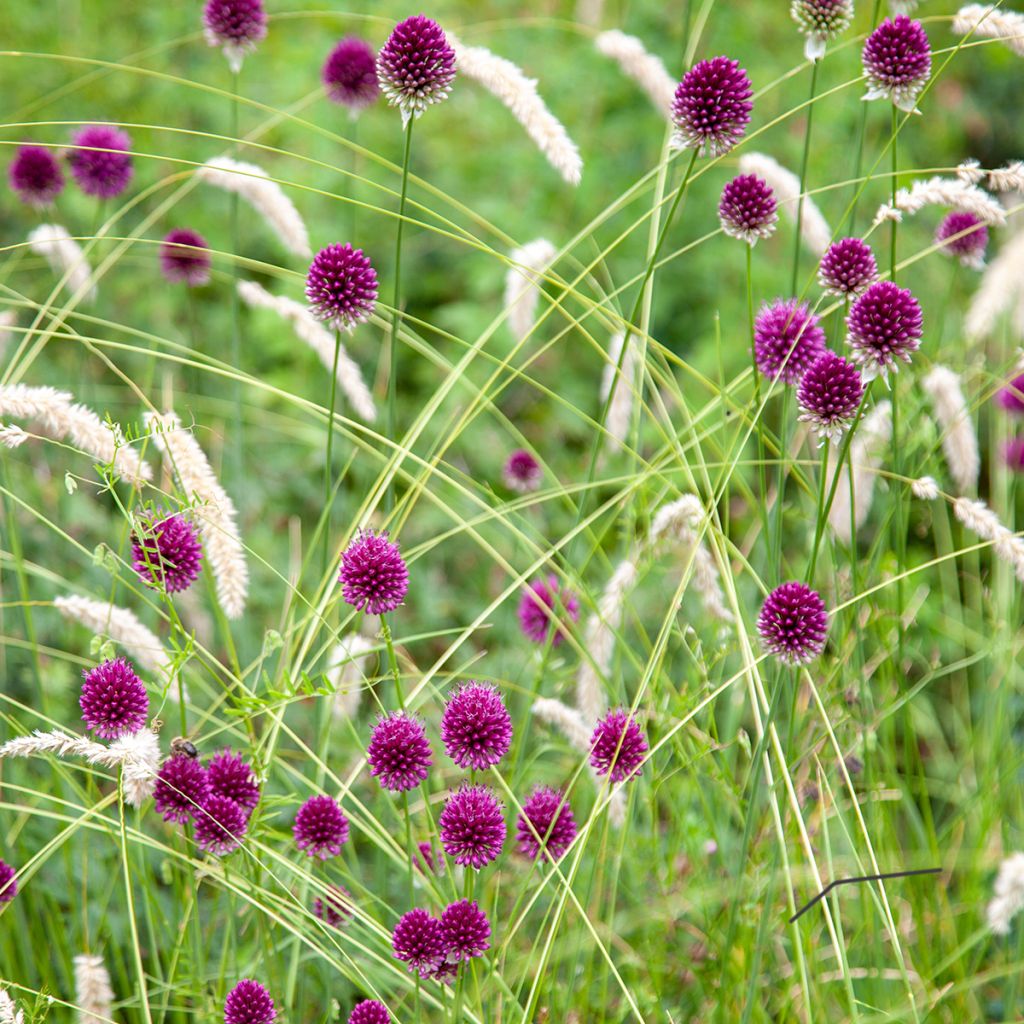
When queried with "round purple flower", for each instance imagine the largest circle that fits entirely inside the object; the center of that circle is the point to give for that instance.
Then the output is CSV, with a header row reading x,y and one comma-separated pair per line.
x,y
249,1003
373,574
829,394
821,21
101,163
399,753
320,827
787,339
232,777
536,606
1011,397
897,60
185,256
369,1011
350,75
476,728
467,931
847,267
236,26
522,472
617,746
1013,454
114,701
711,108
884,325
472,826
419,941
166,552
546,828
220,825
967,238
747,209
36,176
793,623
181,788
8,883
341,286
335,908
425,859
416,66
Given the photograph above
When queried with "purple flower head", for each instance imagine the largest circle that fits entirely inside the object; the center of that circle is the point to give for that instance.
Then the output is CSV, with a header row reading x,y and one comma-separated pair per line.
x,y
236,26
416,66
113,701
220,825
820,21
897,60
522,472
230,776
1011,397
793,623
884,325
181,788
419,941
341,286
1013,454
335,908
747,209
249,1003
617,746
185,256
536,605
476,728
320,827
399,753
425,859
8,883
369,1011
101,163
829,394
967,238
373,574
847,267
350,75
467,931
472,826
787,339
36,176
546,828
711,108
166,552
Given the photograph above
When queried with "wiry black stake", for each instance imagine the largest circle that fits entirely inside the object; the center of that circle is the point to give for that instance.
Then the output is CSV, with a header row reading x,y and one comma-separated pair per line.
x,y
861,878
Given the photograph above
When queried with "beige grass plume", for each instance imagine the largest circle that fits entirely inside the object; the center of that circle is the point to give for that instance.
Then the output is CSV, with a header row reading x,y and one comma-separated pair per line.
x,y
959,442
9,1013
646,69
955,193
1000,291
871,438
814,229
346,670
522,284
991,22
1007,179
65,257
982,521
1008,894
620,409
93,994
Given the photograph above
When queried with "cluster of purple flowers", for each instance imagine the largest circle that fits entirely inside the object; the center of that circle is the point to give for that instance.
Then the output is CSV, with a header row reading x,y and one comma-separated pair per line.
x,y
434,947
1011,398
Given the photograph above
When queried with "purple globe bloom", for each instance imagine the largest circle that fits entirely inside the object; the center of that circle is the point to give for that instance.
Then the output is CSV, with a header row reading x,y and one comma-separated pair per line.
x,y
341,286
350,75
1013,454
821,21
181,788
166,552
476,728
373,574
36,176
335,909
617,746
847,267
467,931
537,605
883,325
1011,397
787,340
747,209
101,163
220,825
472,826
399,753
546,828
426,860
320,828
8,883
416,66
232,777
419,941
830,394
236,26
369,1011
793,623
185,256
897,60
711,108
113,701
249,1003
964,236
522,472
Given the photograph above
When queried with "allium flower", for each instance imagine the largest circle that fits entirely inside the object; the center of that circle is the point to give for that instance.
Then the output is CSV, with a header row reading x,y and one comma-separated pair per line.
x,y
848,267
416,66
472,826
320,827
549,814
467,931
793,623
419,941
220,825
427,861
747,209
399,753
341,286
8,883
101,163
181,788
249,1003
522,472
968,238
166,552
1011,397
897,60
617,746
884,325
113,701
236,26
373,574
787,340
535,621
369,1011
230,776
185,256
820,21
711,108
829,394
36,176
350,75
335,908
476,728
1013,454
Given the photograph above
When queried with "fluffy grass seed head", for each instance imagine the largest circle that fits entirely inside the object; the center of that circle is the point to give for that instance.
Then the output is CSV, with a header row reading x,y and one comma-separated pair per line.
x,y
220,825
847,267
399,753
249,1003
341,286
472,826
747,209
793,623
182,787
541,598
350,75
467,932
373,574
897,61
546,827
787,340
321,828
829,395
711,107
416,66
166,552
476,728
113,699
884,325
185,257
101,161
236,26
821,21
35,176
618,746
965,237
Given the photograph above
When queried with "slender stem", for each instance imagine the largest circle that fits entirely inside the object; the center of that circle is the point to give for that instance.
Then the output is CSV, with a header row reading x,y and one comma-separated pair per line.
x,y
330,446
236,333
803,179
819,524
385,629
762,476
409,847
897,454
